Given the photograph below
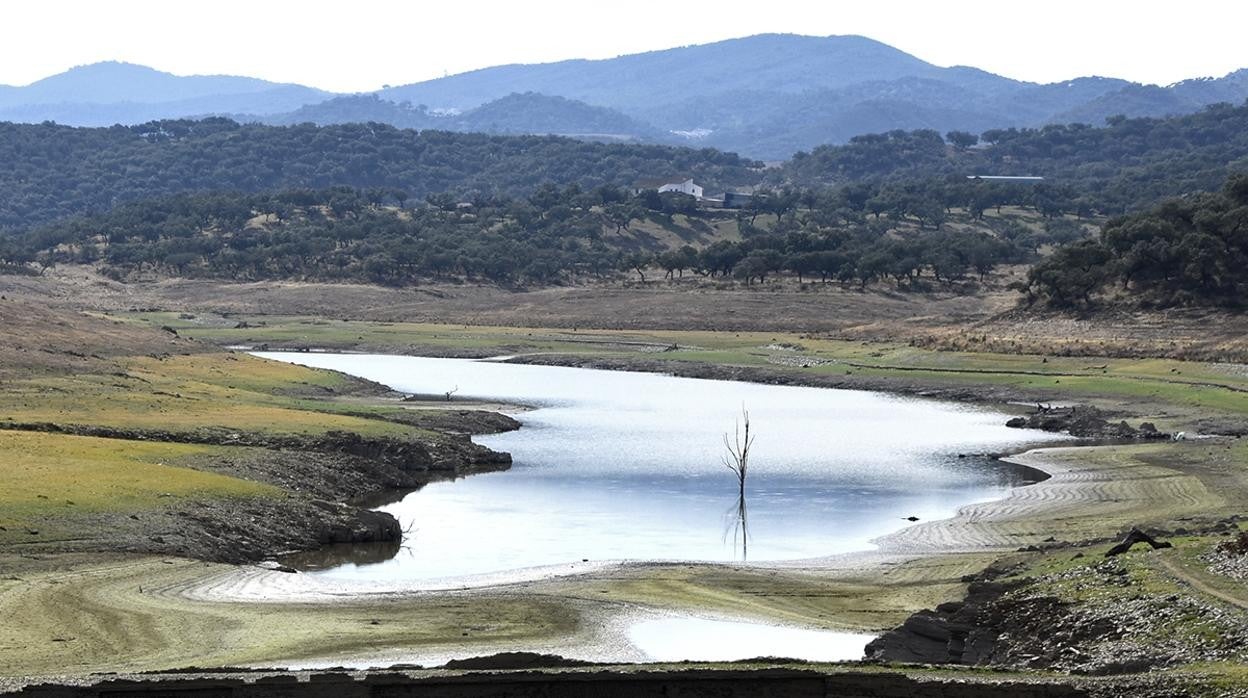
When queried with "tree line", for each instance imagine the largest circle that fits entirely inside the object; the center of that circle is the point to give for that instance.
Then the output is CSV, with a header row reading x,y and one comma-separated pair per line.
x,y
1126,165
53,171
424,205
555,235
1185,251
1189,251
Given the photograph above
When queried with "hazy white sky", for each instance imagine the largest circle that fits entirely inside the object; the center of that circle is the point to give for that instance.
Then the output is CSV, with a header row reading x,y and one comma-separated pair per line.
x,y
357,45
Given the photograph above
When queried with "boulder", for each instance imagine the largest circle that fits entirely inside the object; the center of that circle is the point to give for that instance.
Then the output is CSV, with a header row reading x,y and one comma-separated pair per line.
x,y
1083,421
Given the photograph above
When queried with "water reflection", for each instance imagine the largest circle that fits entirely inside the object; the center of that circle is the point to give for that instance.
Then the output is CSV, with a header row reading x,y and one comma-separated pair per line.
x,y
378,500
331,556
628,466
738,525
698,639
737,460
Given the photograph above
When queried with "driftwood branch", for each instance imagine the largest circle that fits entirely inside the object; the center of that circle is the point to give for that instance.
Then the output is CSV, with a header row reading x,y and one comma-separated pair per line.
x,y
1136,536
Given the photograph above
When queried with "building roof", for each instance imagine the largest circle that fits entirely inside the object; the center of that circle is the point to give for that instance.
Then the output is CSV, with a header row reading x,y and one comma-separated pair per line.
x,y
654,182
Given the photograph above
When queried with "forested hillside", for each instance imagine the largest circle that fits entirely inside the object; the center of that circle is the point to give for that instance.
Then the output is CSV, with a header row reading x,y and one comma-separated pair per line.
x,y
1126,165
515,114
372,203
555,235
1189,251
53,171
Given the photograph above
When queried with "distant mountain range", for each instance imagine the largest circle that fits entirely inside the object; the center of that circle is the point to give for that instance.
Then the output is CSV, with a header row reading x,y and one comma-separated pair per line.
x,y
764,96
515,114
103,94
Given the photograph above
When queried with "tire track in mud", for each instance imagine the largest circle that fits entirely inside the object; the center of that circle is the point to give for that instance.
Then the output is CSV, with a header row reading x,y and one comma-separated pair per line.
x,y
1076,501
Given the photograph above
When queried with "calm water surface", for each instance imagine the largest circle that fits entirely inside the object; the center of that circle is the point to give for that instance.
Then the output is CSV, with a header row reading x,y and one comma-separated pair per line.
x,y
614,466
695,639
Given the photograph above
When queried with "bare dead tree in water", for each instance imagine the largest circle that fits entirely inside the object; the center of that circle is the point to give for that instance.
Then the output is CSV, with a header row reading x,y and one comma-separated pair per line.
x,y
738,457
738,461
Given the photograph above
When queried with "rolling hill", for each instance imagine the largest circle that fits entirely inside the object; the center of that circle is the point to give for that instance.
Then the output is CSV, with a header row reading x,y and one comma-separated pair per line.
x,y
773,63
515,114
107,93
766,96
771,95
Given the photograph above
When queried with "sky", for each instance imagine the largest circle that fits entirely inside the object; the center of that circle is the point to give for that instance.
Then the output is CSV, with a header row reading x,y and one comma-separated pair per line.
x,y
361,45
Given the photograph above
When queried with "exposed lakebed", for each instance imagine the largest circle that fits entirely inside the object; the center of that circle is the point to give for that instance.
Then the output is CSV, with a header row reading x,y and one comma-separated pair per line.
x,y
628,466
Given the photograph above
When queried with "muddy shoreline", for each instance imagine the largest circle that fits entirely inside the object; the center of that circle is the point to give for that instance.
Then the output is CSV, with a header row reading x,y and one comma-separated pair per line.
x,y
983,533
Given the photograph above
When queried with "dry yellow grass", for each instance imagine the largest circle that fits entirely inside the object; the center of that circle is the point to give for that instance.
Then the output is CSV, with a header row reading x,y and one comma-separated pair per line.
x,y
184,393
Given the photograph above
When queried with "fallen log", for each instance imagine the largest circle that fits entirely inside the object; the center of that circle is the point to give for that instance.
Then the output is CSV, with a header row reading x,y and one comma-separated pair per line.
x,y
1133,537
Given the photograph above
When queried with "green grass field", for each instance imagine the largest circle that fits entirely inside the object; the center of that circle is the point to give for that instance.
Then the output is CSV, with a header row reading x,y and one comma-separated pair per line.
x,y
46,475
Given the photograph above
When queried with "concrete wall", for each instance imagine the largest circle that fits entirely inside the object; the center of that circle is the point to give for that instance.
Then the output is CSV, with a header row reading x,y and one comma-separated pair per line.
x,y
720,683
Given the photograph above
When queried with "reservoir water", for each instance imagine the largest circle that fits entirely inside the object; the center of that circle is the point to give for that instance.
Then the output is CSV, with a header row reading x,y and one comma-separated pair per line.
x,y
629,466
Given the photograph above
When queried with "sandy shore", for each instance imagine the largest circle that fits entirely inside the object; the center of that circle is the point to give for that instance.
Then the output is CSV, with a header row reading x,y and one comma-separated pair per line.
x,y
1092,491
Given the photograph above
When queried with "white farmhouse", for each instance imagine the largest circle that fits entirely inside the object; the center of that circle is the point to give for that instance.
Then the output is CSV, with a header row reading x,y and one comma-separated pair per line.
x,y
683,185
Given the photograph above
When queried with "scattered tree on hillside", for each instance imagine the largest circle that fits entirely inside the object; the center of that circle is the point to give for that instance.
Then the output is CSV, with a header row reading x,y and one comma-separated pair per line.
x,y
961,139
556,235
1127,165
1189,251
53,171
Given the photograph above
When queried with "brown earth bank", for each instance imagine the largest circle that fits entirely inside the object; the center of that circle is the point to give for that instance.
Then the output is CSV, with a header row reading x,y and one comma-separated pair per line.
x,y
983,318
365,464
218,531
325,478
321,475
1009,624
1165,595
